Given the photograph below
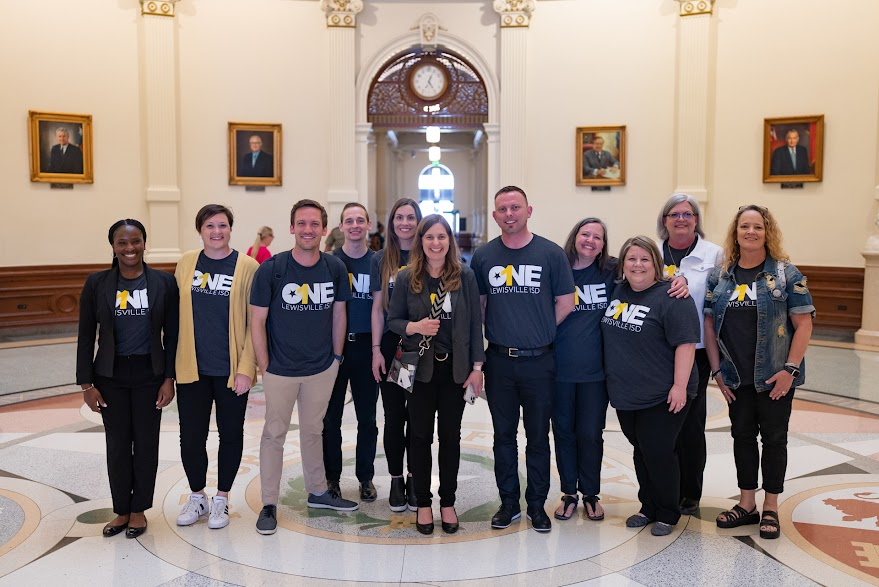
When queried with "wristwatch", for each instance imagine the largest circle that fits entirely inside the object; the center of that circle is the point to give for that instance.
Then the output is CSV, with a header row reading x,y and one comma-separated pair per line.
x,y
792,368
339,358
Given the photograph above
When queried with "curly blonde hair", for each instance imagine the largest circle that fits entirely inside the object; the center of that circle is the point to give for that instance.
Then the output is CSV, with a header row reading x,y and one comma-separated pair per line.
x,y
731,250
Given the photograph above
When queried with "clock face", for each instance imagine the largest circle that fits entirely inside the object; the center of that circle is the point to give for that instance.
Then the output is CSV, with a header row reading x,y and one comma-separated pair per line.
x,y
428,81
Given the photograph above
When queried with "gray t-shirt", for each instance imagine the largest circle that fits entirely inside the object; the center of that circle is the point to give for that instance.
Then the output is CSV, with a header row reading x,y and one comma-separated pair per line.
x,y
300,303
641,331
360,307
375,275
211,286
521,285
131,325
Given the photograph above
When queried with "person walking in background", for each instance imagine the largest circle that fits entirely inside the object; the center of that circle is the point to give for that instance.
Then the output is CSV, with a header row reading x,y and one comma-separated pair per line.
x,y
259,250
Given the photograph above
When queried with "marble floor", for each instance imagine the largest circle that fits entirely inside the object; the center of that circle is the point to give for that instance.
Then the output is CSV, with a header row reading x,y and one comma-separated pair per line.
x,y
55,498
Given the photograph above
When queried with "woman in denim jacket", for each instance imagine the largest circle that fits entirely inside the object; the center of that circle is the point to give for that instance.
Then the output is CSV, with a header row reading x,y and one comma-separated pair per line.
x,y
759,308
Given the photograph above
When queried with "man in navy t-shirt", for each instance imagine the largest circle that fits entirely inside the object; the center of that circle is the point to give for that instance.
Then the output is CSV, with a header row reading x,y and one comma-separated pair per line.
x,y
298,327
527,289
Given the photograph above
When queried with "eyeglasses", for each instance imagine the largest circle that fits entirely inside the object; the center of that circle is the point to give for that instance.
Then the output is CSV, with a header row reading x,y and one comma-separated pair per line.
x,y
760,209
679,215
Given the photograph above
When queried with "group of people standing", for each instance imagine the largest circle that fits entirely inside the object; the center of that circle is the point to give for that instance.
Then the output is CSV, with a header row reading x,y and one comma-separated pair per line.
x,y
569,330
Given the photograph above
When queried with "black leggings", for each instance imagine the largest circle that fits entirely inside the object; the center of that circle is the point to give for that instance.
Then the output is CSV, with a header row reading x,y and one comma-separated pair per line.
x,y
396,433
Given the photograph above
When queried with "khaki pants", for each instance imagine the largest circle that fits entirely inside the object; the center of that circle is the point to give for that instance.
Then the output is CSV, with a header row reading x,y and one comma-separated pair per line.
x,y
281,393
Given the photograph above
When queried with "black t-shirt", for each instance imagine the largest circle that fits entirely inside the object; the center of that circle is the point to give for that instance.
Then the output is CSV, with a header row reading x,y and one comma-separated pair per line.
x,y
521,285
300,303
211,286
442,342
578,353
375,275
641,331
739,329
131,326
359,277
672,257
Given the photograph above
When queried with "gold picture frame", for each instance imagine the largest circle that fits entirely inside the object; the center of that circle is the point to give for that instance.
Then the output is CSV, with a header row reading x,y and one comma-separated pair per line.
x,y
600,167
803,161
265,168
60,147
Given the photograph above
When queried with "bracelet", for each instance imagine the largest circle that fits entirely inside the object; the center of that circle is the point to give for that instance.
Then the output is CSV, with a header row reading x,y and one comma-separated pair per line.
x,y
375,346
89,387
715,373
477,367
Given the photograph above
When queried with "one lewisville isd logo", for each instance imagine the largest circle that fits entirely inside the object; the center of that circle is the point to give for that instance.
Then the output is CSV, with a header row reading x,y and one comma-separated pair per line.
x,y
625,316
744,296
840,524
214,285
590,297
132,303
519,279
307,297
447,306
392,277
359,286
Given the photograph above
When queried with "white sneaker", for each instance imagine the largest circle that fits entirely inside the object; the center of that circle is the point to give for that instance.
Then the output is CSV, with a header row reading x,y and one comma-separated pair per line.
x,y
219,513
193,509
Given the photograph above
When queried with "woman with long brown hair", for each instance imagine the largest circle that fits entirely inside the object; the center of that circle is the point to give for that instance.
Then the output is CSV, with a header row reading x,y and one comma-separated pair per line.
x,y
403,221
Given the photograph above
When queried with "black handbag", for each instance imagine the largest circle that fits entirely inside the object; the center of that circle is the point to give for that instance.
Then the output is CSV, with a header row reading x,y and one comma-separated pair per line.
x,y
405,363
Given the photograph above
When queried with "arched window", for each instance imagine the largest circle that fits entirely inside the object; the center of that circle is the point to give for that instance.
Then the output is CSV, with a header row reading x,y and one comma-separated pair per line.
x,y
436,192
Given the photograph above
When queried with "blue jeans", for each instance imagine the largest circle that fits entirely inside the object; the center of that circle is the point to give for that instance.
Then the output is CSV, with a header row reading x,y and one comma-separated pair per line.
x,y
512,384
578,416
356,368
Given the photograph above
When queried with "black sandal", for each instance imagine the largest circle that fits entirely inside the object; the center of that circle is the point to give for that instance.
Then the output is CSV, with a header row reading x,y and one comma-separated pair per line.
x,y
770,520
592,500
568,501
738,516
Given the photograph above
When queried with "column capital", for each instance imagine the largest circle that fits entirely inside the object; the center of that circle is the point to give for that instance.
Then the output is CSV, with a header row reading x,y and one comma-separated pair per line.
x,y
157,7
515,13
695,7
341,13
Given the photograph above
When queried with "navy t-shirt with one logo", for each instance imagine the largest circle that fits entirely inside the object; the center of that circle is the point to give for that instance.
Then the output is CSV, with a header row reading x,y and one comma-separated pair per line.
x,y
375,275
359,278
131,324
211,286
300,320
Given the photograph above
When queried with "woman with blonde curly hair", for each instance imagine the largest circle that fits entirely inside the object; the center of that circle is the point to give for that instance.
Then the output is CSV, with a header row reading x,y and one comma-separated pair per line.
x,y
259,250
758,321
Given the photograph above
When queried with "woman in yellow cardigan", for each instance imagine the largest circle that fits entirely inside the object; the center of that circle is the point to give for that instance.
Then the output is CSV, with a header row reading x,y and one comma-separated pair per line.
x,y
215,360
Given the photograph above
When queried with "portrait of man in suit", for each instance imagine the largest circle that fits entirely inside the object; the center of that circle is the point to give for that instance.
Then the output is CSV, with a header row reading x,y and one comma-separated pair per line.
x,y
256,162
597,162
65,157
792,158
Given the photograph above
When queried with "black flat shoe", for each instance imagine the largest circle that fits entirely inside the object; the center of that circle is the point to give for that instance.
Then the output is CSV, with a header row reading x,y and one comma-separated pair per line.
x,y
110,531
133,532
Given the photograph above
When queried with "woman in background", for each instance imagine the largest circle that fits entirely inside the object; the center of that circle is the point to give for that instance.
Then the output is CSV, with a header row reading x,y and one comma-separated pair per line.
x,y
259,250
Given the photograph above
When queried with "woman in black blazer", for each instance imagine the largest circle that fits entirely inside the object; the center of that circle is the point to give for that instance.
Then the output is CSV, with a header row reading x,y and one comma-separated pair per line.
x,y
134,310
451,364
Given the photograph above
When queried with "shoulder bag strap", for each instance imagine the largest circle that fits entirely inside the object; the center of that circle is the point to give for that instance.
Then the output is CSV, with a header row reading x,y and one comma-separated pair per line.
x,y
435,311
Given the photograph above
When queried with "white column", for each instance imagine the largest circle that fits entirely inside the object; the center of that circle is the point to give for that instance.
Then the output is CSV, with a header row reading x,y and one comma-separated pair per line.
x,y
493,175
363,141
515,16
159,103
694,35
345,154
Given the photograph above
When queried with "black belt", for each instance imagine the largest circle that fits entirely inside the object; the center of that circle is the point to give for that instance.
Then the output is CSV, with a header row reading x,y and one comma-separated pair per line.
x,y
355,336
514,352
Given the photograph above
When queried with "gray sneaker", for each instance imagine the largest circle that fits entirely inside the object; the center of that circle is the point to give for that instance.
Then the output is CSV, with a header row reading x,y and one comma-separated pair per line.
x,y
331,500
267,522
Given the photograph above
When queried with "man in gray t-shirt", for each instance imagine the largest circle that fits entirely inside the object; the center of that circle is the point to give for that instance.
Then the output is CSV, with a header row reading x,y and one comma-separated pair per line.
x,y
527,289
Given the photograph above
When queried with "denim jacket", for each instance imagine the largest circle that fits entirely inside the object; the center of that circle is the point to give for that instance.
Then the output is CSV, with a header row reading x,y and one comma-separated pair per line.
x,y
775,329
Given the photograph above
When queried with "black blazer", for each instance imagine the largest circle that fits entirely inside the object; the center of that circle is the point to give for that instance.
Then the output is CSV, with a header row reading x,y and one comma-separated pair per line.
x,y
467,342
265,165
97,306
68,162
781,163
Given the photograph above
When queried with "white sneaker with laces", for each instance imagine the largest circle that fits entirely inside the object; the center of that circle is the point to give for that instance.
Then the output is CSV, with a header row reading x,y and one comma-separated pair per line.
x,y
219,513
193,509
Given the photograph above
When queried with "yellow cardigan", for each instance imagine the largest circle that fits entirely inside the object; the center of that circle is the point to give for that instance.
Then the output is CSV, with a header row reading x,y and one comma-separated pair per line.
x,y
241,355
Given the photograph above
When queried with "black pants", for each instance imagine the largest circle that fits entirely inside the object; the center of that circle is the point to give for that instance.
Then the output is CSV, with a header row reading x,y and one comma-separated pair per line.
x,y
194,402
394,397
131,424
653,433
356,368
510,383
439,401
691,450
579,411
755,413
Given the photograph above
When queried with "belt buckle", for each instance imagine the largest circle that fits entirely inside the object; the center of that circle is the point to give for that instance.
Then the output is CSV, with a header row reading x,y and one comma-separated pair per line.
x,y
352,336
512,352
437,357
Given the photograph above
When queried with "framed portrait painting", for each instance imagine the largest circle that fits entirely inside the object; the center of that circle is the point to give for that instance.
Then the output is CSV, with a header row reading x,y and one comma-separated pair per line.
x,y
793,149
254,154
600,155
60,147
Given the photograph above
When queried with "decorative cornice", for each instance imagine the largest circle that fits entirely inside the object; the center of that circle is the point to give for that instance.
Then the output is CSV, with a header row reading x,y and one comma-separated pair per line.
x,y
515,13
157,7
341,13
695,7
428,31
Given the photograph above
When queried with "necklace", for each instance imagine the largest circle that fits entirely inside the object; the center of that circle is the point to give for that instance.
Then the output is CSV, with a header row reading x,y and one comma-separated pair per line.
x,y
688,251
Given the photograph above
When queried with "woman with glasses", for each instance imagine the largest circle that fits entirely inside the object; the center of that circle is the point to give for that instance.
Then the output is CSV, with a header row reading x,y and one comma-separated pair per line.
x,y
758,316
686,252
